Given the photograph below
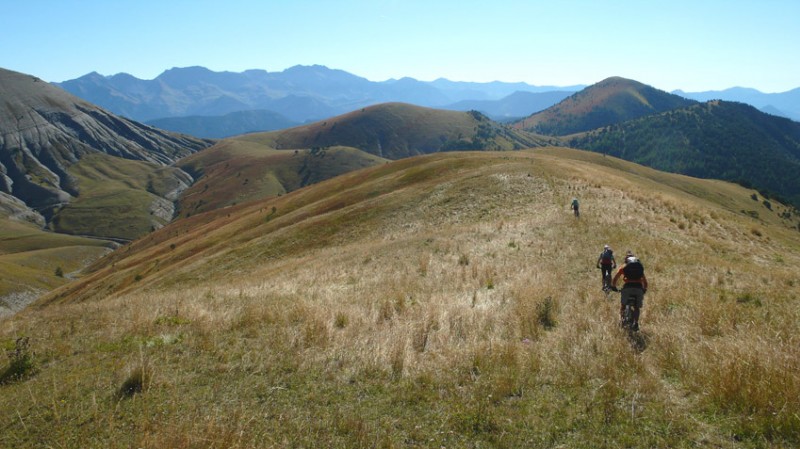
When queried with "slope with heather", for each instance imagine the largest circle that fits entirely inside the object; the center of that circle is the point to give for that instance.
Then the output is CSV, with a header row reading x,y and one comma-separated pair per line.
x,y
610,101
444,300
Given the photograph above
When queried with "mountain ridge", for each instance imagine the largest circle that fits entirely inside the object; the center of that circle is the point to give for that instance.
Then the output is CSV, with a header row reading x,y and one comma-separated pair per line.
x,y
337,90
398,130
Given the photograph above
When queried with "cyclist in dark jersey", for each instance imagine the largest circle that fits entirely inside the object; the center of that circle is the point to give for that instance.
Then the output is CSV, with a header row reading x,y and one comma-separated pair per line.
x,y
606,263
633,288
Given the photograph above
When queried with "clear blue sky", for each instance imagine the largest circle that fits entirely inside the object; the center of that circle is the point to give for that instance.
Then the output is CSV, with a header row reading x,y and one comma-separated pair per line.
x,y
692,45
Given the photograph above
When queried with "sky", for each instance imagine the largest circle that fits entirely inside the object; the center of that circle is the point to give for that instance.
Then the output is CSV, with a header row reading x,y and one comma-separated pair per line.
x,y
691,45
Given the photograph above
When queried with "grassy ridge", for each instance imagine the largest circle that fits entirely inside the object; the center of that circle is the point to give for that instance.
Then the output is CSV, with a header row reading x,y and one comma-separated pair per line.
x,y
449,300
259,165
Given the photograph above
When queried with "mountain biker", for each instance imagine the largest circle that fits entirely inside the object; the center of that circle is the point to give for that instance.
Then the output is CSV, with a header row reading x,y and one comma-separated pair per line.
x,y
634,287
574,207
606,263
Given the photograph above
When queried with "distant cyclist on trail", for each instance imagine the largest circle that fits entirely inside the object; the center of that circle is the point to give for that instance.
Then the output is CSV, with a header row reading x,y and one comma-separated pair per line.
x,y
574,206
606,263
633,289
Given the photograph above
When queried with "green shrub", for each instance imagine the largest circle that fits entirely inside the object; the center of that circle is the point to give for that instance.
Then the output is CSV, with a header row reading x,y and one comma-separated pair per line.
x,y
20,364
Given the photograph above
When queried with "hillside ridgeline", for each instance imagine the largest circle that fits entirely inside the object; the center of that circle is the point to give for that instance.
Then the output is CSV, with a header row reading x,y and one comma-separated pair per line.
x,y
613,100
398,130
259,165
68,169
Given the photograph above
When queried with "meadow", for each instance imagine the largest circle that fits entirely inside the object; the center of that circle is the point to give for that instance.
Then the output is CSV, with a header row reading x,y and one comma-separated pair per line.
x,y
450,300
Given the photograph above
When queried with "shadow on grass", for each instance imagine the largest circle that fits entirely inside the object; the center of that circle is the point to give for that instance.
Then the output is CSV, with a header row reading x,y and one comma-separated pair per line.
x,y
638,340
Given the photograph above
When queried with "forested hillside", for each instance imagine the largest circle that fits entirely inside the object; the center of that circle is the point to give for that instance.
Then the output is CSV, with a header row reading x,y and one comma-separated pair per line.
x,y
718,139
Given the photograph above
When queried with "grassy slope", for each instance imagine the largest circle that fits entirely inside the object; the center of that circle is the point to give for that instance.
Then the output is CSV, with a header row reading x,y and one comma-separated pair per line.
x,y
449,300
116,197
236,171
29,258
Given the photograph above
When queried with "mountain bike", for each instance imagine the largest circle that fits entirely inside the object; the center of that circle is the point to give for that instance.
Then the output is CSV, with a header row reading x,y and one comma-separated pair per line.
x,y
628,322
607,287
627,319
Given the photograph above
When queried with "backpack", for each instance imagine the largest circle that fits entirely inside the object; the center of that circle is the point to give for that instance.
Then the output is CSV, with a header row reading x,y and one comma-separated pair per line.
x,y
633,271
607,257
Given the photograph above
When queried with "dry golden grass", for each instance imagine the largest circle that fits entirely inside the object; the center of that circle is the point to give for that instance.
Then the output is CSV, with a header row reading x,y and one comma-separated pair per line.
x,y
457,305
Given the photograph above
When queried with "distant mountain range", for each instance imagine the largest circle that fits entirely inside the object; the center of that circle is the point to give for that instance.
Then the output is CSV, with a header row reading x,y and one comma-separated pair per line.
x,y
786,104
296,95
304,94
231,124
